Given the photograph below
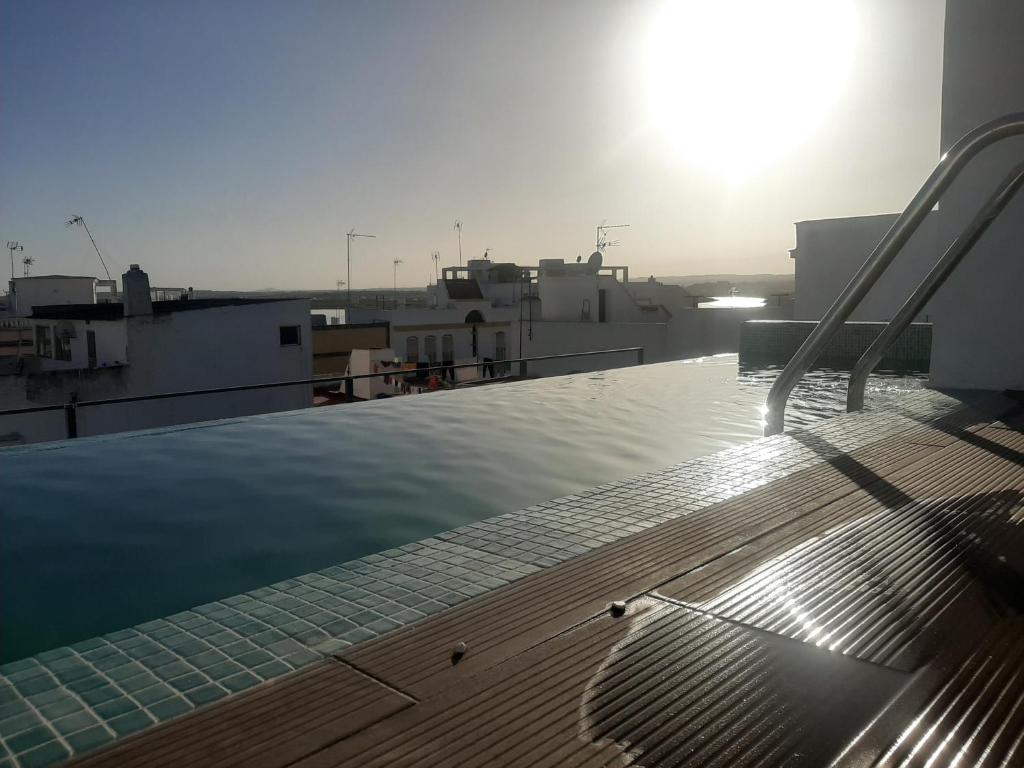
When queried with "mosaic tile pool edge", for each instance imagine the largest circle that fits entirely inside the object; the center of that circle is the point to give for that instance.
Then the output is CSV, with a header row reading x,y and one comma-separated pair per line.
x,y
69,701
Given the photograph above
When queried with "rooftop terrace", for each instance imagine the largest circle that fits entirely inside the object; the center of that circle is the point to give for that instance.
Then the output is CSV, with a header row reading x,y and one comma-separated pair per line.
x,y
847,591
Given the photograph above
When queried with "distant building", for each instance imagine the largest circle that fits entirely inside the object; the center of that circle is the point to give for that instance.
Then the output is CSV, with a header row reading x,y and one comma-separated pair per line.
x,y
89,351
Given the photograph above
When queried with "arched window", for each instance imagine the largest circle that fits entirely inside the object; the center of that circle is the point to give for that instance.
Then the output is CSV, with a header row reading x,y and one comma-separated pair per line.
x,y
412,349
430,349
447,348
474,317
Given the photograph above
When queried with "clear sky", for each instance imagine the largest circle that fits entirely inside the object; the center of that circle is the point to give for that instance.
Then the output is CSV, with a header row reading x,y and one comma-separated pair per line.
x,y
226,144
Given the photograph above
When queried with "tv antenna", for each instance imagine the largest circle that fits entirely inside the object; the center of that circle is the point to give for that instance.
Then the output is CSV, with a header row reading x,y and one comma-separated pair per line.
x,y
487,253
458,228
339,283
436,258
349,237
12,246
602,239
396,262
27,261
79,221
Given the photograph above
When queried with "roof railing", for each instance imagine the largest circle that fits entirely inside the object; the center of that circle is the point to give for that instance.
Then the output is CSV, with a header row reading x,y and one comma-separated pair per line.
x,y
71,407
947,170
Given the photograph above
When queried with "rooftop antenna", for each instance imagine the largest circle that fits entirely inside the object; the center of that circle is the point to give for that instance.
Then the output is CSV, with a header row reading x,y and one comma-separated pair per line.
x,y
28,261
349,237
339,283
458,228
436,257
81,222
396,262
602,240
487,252
12,246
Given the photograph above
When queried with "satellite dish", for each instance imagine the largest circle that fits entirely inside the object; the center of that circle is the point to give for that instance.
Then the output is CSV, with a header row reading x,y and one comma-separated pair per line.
x,y
595,260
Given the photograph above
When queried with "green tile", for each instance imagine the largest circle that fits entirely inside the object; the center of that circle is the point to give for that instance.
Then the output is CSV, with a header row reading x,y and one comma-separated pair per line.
x,y
206,659
205,694
125,671
301,657
37,684
170,708
174,669
89,683
153,694
138,682
254,658
8,694
110,661
12,708
30,739
223,669
88,645
100,695
89,739
49,754
21,665
187,682
158,659
18,723
115,707
272,669
240,682
56,653
133,722
60,708
76,722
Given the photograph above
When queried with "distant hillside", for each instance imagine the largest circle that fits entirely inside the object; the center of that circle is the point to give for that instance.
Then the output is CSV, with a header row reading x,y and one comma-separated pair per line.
x,y
720,285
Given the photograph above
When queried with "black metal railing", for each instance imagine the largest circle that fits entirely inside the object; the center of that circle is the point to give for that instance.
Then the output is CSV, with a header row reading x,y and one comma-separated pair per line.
x,y
73,405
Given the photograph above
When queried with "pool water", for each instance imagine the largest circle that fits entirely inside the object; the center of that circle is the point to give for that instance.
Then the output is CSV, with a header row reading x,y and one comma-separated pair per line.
x,y
105,532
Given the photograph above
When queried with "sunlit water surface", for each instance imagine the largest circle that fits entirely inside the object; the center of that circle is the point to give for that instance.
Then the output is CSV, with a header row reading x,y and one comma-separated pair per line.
x,y
101,533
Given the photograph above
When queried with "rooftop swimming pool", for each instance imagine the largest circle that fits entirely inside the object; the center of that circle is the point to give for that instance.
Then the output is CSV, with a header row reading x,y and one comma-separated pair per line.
x,y
101,533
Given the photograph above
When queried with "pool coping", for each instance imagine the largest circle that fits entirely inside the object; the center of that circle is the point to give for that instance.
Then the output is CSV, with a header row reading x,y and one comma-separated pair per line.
x,y
72,700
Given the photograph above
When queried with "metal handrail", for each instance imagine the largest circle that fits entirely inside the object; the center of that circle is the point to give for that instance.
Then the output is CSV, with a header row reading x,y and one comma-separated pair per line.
x,y
70,408
892,242
932,282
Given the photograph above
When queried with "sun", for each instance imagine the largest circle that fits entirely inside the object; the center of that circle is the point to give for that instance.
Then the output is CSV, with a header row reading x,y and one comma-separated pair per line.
x,y
734,85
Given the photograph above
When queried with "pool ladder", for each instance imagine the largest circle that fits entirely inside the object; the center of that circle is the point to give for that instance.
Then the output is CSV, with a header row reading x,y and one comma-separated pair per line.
x,y
947,170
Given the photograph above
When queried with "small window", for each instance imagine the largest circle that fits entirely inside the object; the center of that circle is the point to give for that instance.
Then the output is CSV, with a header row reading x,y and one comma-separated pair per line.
x,y
291,335
412,349
430,349
62,347
44,341
447,349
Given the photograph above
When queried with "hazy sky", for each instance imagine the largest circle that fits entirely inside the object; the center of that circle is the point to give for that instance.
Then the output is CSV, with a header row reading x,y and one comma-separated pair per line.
x,y
232,144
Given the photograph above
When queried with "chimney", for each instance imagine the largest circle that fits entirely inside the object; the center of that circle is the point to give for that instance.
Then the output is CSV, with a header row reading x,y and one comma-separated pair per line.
x,y
135,287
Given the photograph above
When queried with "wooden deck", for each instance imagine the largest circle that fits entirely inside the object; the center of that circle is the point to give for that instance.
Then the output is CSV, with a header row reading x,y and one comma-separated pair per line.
x,y
864,611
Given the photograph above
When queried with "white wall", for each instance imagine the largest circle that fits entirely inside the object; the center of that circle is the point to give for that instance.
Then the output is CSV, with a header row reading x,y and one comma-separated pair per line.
x,y
562,297
978,334
553,338
829,251
44,291
193,349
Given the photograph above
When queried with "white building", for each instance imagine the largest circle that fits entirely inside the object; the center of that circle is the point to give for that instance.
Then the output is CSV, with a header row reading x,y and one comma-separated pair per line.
x,y
25,293
977,341
92,351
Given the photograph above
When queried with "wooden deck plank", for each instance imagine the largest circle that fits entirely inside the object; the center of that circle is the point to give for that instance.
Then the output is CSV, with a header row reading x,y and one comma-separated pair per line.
x,y
509,620
269,727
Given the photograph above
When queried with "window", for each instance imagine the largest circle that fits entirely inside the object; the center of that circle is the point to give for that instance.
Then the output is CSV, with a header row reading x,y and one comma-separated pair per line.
x,y
447,348
499,346
412,349
291,335
430,349
44,341
62,346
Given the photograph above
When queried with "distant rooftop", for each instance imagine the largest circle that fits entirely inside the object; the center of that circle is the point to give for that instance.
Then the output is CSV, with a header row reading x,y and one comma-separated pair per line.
x,y
115,310
56,277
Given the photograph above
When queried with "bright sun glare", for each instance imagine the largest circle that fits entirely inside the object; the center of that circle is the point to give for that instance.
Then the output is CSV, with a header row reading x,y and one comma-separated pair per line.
x,y
734,84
